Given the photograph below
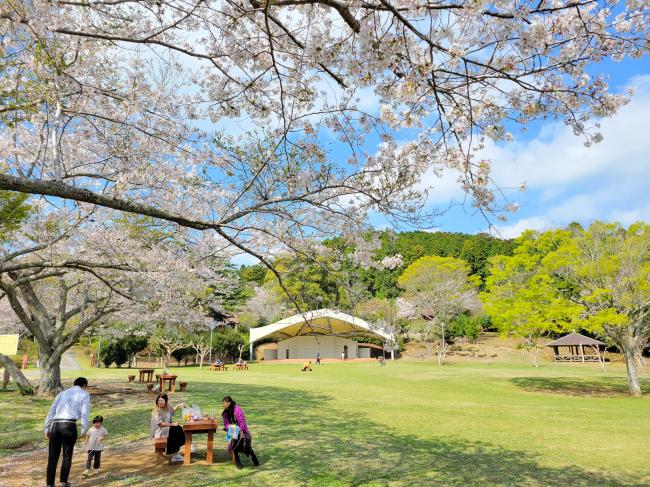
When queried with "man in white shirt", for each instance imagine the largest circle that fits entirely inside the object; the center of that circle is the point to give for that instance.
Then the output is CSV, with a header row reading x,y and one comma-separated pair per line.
x,y
71,405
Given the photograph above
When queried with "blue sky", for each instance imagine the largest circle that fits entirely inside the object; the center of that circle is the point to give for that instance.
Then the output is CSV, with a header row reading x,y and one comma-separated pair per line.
x,y
567,181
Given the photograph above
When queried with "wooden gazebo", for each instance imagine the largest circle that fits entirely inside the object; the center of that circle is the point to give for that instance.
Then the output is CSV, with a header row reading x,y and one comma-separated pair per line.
x,y
576,344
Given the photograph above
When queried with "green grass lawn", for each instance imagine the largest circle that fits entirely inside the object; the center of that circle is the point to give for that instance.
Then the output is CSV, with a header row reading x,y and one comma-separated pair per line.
x,y
409,423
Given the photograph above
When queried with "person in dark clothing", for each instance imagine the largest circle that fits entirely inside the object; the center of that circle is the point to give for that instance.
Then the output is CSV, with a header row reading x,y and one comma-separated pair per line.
x,y
241,441
70,406
163,427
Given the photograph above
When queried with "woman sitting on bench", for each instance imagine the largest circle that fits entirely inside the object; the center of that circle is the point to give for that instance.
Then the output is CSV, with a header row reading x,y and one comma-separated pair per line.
x,y
163,427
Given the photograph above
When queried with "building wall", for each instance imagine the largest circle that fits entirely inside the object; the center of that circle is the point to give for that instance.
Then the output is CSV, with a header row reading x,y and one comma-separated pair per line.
x,y
305,347
270,354
364,352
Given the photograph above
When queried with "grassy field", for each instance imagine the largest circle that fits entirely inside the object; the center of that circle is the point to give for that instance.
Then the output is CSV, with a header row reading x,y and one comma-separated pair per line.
x,y
409,423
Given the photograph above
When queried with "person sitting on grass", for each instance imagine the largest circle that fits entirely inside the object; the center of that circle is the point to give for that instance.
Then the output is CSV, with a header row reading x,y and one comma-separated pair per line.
x,y
163,427
306,366
94,444
381,360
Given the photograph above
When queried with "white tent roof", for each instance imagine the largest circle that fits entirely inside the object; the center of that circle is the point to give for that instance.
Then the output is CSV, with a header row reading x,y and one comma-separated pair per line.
x,y
320,322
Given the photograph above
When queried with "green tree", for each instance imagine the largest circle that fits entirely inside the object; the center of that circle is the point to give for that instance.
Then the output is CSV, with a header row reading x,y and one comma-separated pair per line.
x,y
313,283
440,289
229,342
133,344
182,353
114,353
605,269
14,210
465,326
522,298
253,274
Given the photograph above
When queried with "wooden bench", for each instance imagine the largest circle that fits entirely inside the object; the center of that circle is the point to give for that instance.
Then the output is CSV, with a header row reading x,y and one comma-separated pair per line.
x,y
214,367
183,386
159,445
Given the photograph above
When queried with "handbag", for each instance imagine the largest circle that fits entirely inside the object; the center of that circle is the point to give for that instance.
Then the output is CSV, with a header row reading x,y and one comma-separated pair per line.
x,y
232,432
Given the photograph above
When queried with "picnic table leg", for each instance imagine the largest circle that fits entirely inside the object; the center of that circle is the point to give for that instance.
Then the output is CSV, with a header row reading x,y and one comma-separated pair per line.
x,y
188,447
172,385
208,455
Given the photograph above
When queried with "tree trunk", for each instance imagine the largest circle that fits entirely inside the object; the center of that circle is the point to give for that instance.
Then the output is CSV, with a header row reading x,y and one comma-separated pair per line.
x,y
441,359
18,377
632,375
639,359
50,381
601,358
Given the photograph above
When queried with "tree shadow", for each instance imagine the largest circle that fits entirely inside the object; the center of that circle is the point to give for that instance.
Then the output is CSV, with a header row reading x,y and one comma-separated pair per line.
x,y
603,387
303,438
300,431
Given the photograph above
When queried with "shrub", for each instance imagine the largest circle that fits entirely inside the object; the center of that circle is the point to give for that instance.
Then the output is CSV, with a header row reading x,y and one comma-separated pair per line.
x,y
114,353
183,353
466,327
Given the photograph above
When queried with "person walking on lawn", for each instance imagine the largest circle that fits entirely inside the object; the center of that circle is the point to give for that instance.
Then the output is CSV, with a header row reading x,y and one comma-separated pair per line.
x,y
70,406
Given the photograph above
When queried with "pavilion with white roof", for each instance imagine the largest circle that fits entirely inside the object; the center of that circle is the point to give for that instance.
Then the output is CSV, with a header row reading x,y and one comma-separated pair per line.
x,y
326,331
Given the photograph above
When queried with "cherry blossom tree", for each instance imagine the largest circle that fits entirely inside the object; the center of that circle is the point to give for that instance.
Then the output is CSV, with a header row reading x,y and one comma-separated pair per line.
x,y
66,271
123,103
202,347
439,289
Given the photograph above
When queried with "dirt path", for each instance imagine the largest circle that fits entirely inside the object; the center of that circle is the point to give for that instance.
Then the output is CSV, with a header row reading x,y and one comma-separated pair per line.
x,y
133,465
69,361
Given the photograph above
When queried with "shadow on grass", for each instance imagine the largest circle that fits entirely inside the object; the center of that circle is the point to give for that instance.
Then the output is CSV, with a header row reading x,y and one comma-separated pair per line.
x,y
309,443
303,438
604,387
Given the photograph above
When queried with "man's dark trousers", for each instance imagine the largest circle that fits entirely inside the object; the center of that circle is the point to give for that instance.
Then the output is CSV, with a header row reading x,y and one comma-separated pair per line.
x,y
63,436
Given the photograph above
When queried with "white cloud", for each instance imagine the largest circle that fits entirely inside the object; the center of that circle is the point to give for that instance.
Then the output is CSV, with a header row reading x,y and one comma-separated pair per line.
x,y
557,157
533,223
570,182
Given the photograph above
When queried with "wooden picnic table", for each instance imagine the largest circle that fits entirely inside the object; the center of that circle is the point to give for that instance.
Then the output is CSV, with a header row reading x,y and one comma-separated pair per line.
x,y
148,373
201,426
215,367
241,366
171,379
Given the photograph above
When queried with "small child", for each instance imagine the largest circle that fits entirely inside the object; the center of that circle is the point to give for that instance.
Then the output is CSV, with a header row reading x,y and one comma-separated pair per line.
x,y
94,444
